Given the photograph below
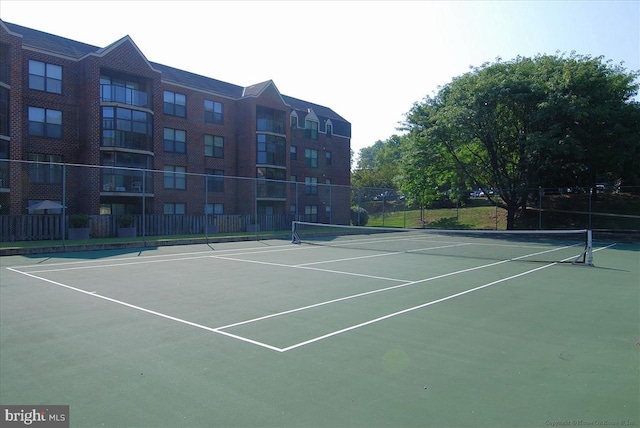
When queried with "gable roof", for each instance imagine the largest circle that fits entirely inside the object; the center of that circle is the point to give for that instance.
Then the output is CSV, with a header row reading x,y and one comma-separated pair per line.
x,y
320,111
186,78
257,89
51,43
62,46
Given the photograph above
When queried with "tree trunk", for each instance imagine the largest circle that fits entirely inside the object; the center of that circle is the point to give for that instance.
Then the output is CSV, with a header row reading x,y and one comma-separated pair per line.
x,y
512,209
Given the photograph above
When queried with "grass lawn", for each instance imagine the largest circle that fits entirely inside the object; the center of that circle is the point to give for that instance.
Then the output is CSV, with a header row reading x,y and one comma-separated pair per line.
x,y
483,217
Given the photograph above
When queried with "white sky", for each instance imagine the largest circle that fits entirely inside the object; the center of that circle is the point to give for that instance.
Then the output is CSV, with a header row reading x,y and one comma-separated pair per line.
x,y
369,61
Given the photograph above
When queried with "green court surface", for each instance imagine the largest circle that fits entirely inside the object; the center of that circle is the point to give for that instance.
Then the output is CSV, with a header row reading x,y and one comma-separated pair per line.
x,y
269,333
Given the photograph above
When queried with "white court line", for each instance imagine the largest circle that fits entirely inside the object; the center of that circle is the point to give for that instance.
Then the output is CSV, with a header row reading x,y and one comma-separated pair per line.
x,y
408,282
284,247
368,241
354,296
391,253
414,308
148,311
139,262
366,293
424,305
257,262
219,330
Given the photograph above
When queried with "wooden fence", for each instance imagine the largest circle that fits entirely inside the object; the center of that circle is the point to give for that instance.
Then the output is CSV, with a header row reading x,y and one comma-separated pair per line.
x,y
49,226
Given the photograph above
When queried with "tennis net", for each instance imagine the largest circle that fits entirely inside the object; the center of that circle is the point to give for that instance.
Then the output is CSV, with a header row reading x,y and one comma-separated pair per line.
x,y
546,246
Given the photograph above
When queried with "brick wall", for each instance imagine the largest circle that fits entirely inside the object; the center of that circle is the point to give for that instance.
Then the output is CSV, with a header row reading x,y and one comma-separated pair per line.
x,y
81,142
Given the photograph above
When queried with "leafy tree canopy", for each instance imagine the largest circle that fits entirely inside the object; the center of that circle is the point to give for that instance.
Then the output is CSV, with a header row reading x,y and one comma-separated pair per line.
x,y
378,166
516,125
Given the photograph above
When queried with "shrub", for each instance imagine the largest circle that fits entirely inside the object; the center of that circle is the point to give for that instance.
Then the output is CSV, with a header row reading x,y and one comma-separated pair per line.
x,y
359,216
126,220
78,221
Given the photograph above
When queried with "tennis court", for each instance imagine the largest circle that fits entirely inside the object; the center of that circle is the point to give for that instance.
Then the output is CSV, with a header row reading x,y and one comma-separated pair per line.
x,y
404,330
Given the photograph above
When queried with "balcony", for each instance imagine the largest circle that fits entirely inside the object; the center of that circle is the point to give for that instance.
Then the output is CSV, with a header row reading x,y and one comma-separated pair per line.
x,y
127,140
4,73
268,125
122,95
126,183
271,189
4,176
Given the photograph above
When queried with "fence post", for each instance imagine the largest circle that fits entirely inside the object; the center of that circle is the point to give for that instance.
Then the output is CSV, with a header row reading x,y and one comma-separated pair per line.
x,y
64,202
144,208
206,213
540,207
330,206
590,206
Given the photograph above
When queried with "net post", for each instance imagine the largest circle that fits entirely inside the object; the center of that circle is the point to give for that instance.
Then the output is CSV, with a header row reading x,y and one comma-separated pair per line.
x,y
586,257
589,251
295,239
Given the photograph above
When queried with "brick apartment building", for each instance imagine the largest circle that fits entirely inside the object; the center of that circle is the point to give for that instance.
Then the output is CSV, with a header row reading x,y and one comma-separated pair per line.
x,y
166,141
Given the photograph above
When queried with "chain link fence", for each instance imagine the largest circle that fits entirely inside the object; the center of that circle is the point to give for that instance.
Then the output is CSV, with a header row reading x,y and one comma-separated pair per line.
x,y
105,200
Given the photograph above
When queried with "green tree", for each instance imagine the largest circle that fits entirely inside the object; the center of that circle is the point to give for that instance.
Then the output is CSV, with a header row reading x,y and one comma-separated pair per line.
x,y
367,156
378,167
517,125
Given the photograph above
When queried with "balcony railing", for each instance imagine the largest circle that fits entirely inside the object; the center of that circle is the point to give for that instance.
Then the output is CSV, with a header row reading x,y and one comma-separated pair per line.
x,y
4,175
4,73
127,140
267,125
129,182
271,189
122,95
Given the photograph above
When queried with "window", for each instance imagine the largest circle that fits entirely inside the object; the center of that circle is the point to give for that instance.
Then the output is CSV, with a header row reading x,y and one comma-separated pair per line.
x,y
328,157
175,140
125,180
213,112
310,158
215,180
123,127
175,104
311,213
4,149
329,128
214,146
46,170
294,121
270,120
271,149
311,129
45,122
122,91
4,62
45,77
271,182
174,177
175,208
293,152
310,185
4,111
217,209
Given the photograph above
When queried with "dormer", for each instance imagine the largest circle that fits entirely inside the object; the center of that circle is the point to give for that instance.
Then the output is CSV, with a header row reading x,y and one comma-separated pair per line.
x,y
311,125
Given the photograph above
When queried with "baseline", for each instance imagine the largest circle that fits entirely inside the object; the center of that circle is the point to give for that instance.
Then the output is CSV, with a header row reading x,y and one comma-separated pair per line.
x,y
220,330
